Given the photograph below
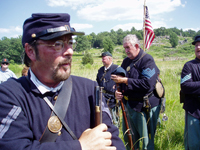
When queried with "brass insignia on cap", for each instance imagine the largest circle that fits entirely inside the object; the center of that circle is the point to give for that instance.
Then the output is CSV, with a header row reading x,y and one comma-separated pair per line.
x,y
54,124
67,28
128,68
33,35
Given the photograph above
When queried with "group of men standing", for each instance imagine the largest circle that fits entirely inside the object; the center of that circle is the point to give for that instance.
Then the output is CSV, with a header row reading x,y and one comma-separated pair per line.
x,y
51,109
137,91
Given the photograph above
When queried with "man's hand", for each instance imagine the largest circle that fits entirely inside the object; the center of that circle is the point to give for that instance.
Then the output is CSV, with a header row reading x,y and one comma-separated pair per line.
x,y
97,138
119,79
118,95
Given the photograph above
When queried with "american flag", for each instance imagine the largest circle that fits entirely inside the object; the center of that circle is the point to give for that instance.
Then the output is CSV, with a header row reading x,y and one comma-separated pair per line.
x,y
149,34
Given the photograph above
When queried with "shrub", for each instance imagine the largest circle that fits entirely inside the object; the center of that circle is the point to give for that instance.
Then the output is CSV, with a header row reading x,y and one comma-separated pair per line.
x,y
87,59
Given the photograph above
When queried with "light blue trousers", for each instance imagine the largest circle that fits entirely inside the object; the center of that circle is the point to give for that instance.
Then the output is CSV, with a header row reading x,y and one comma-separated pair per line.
x,y
115,116
138,123
191,133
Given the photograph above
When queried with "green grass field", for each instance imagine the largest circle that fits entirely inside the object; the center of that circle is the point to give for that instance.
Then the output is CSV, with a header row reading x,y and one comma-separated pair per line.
x,y
169,135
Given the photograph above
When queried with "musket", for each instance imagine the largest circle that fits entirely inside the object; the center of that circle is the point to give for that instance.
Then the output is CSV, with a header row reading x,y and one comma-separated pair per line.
x,y
126,122
98,109
122,72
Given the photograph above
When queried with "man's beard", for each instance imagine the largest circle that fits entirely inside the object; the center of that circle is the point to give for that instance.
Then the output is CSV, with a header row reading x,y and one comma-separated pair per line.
x,y
58,76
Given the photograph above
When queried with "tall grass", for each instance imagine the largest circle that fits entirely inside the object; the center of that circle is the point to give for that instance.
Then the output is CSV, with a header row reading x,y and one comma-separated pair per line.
x,y
169,135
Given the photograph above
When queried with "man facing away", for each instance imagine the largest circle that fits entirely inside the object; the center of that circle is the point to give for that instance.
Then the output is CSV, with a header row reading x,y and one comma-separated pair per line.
x,y
137,92
190,86
104,80
5,72
27,119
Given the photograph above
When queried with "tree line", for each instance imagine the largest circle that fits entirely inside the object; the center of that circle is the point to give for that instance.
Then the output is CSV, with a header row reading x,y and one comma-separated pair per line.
x,y
14,51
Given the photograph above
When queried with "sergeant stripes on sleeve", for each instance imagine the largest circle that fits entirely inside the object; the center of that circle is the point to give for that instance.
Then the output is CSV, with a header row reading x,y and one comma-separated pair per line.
x,y
148,72
187,77
6,122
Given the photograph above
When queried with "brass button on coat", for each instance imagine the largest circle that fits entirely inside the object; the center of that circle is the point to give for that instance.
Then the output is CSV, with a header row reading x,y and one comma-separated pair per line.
x,y
59,133
55,98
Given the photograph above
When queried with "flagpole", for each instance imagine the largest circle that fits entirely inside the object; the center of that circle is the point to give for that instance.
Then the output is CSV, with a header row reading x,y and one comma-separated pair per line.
x,y
144,26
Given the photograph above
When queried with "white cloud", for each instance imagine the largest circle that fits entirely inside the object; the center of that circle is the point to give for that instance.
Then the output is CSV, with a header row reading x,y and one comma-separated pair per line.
x,y
158,24
11,32
99,10
128,26
195,29
81,26
11,29
3,30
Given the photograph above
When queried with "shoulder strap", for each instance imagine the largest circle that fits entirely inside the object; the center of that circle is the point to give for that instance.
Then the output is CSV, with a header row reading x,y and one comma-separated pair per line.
x,y
59,109
134,64
103,75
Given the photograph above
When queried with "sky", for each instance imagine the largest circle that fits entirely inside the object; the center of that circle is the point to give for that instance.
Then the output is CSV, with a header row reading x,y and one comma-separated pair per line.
x,y
102,15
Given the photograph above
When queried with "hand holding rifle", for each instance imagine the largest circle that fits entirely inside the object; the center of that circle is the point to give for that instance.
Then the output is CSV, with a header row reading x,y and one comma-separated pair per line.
x,y
119,76
97,138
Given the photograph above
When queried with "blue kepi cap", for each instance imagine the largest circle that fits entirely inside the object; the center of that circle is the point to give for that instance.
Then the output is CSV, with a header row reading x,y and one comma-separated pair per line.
x,y
47,26
119,71
197,39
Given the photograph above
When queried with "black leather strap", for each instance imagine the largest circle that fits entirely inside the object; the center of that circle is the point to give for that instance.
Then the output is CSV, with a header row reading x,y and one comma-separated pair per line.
x,y
134,64
59,109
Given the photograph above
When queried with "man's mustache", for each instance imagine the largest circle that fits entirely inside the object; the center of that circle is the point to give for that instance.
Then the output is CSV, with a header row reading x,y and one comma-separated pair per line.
x,y
66,61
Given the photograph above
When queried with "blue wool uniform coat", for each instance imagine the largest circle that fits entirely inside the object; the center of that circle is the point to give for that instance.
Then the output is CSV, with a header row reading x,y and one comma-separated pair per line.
x,y
190,86
141,81
24,115
108,84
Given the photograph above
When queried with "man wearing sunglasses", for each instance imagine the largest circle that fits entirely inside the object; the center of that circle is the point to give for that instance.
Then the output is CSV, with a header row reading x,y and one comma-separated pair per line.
x,y
50,109
5,72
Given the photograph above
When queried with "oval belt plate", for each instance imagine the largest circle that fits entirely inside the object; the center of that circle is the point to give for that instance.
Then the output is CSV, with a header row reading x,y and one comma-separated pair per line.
x,y
128,68
54,124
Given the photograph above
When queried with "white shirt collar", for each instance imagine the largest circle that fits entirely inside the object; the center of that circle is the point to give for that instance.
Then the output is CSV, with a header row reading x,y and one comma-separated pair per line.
x,y
107,67
43,88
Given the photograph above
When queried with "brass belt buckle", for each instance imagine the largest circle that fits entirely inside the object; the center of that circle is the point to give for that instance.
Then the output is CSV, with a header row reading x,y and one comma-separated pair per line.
x,y
126,98
54,124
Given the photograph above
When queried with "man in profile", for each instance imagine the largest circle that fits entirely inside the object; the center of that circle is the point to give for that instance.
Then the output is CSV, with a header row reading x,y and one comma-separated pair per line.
x,y
50,108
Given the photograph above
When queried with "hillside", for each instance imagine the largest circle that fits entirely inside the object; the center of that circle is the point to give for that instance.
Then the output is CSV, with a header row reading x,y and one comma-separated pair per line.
x,y
170,61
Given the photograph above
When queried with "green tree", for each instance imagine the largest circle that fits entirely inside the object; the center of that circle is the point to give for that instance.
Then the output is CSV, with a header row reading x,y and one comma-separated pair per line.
x,y
108,44
16,49
87,59
120,36
113,36
99,40
82,43
4,48
173,39
93,38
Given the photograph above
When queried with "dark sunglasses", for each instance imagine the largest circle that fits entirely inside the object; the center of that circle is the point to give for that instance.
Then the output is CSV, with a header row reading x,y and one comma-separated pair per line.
x,y
5,63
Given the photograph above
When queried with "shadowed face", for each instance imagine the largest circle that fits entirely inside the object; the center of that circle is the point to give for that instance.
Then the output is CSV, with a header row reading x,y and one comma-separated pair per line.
x,y
131,51
197,49
4,66
106,60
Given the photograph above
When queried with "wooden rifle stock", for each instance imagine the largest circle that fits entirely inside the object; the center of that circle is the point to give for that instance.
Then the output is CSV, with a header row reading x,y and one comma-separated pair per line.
x,y
126,123
98,110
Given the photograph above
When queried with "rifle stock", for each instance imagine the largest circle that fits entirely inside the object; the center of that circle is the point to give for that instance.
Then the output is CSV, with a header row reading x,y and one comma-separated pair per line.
x,y
126,123
98,110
